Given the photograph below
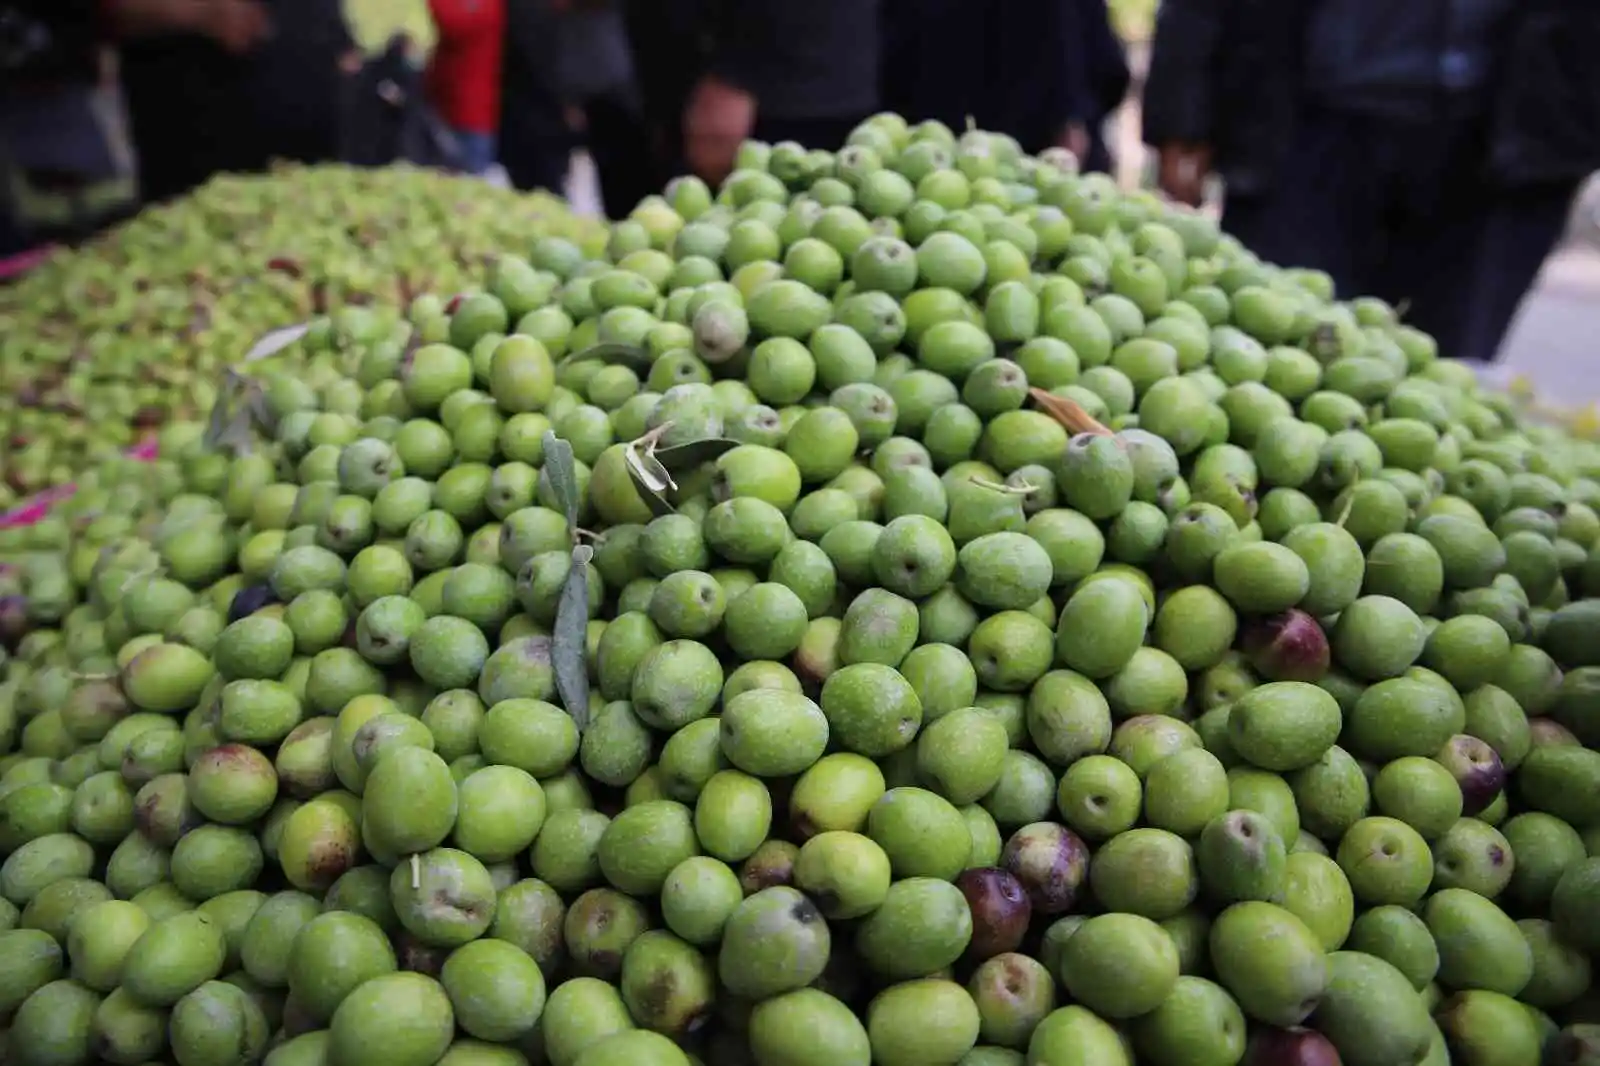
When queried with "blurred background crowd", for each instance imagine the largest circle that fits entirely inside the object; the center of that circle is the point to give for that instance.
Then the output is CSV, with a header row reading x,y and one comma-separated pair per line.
x,y
1426,151
649,88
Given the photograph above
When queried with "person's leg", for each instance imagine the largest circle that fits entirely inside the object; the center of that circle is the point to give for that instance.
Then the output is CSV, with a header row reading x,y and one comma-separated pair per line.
x,y
535,143
1522,228
14,240
477,150
825,133
668,58
1436,221
621,152
1321,209
1099,158
537,161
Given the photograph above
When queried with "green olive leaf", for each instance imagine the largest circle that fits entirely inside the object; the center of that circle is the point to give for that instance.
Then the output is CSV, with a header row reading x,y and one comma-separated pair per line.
x,y
563,475
628,355
255,398
653,480
217,424
569,642
239,436
684,458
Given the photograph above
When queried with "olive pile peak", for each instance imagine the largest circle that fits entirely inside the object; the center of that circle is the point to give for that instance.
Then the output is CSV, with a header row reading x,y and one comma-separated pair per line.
x,y
915,605
101,343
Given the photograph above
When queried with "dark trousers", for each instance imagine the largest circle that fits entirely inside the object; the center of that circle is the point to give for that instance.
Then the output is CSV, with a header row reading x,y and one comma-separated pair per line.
x,y
1397,210
14,240
535,149
1521,229
825,133
534,140
616,137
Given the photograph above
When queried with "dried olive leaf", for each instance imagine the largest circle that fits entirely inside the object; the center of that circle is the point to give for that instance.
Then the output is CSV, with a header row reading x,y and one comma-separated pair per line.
x,y
276,341
570,641
563,475
1068,413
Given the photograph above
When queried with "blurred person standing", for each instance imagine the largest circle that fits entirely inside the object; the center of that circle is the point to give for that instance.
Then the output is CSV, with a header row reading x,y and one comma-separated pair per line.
x,y
535,139
55,133
715,72
569,67
1544,143
1109,79
464,75
1046,72
227,85
1380,142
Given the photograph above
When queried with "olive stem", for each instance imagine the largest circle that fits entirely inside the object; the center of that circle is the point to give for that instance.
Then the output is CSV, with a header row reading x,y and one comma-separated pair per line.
x,y
1023,489
1069,413
1349,505
651,439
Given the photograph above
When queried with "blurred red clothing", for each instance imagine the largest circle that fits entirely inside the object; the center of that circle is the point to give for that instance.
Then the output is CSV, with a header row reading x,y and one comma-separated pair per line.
x,y
464,73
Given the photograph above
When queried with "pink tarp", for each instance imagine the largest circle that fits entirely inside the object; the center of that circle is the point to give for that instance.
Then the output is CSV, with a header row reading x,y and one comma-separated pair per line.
x,y
36,507
20,264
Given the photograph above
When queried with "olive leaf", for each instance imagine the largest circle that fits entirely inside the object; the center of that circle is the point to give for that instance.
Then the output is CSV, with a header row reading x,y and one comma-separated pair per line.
x,y
239,410
570,642
684,458
217,424
239,436
563,475
628,355
655,470
255,398
1069,413
276,341
652,479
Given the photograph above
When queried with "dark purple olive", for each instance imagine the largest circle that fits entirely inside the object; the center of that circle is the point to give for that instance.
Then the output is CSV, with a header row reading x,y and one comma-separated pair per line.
x,y
414,955
1000,910
1291,1047
770,865
1288,647
250,599
1477,769
13,620
1051,861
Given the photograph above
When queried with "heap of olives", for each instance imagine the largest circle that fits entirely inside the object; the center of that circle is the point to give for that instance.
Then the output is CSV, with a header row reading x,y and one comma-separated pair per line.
x,y
99,344
915,605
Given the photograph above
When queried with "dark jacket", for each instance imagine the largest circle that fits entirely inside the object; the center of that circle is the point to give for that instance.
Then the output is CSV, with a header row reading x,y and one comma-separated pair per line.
x,y
1227,73
196,110
50,119
1024,67
1420,61
47,42
1546,123
385,116
817,59
534,139
1231,74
